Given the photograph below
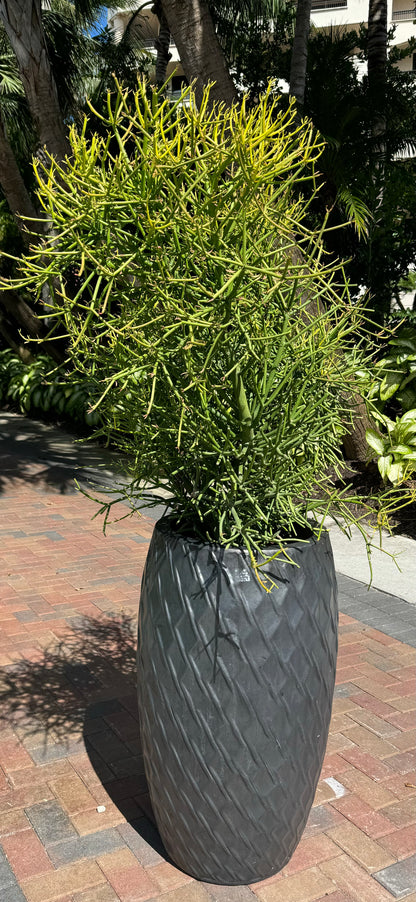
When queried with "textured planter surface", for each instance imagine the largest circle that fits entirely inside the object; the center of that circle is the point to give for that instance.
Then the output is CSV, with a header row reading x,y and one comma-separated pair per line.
x,y
235,694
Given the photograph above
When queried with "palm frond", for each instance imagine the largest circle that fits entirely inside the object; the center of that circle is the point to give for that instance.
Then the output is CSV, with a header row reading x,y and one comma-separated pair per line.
x,y
88,11
232,17
249,9
357,211
71,53
10,83
14,112
125,55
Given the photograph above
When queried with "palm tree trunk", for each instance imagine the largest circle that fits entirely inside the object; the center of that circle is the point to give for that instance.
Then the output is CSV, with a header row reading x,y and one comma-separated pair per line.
x,y
14,189
190,23
162,45
377,62
19,312
20,203
300,52
378,282
14,341
22,20
354,442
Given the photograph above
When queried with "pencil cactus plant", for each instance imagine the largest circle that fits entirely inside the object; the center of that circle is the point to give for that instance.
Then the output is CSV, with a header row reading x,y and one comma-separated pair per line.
x,y
203,310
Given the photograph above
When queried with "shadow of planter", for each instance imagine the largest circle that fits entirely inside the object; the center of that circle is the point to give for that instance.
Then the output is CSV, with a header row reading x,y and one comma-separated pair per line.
x,y
80,695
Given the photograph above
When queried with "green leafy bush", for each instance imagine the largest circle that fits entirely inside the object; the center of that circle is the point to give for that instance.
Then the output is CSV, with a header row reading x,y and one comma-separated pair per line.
x,y
395,445
395,375
39,388
391,389
204,313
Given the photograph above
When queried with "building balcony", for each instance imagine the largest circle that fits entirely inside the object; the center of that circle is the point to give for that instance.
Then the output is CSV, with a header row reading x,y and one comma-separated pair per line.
x,y
328,4
404,15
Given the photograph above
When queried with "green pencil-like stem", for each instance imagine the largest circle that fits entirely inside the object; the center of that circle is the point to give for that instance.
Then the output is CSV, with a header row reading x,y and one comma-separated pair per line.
x,y
240,397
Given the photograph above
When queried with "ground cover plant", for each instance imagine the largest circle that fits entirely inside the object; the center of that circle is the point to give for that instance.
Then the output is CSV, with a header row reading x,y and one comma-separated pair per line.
x,y
39,388
391,388
203,311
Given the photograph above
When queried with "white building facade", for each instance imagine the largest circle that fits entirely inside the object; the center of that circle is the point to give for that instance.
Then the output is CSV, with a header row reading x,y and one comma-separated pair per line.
x,y
148,25
325,13
351,13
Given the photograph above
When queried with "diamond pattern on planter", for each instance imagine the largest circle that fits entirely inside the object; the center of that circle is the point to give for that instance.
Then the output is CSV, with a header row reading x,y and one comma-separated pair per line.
x,y
235,691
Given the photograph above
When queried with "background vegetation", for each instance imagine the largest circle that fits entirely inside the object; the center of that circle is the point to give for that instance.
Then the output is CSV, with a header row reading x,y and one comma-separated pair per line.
x,y
367,125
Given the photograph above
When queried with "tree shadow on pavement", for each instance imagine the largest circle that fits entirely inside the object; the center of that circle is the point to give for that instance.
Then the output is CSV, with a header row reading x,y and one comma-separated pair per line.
x,y
80,695
47,457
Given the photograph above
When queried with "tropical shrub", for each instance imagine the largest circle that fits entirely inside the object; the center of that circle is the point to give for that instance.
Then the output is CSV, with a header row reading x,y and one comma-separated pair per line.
x,y
395,374
379,253
391,389
395,446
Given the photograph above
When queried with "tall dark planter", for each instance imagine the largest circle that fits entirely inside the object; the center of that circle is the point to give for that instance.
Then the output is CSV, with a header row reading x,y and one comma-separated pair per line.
x,y
235,694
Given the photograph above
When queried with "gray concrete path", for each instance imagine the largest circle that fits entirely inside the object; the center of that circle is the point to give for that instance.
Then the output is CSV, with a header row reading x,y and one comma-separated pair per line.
x,y
393,572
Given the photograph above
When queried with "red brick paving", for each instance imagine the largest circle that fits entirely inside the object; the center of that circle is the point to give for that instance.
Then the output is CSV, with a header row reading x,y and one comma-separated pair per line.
x,y
69,740
26,854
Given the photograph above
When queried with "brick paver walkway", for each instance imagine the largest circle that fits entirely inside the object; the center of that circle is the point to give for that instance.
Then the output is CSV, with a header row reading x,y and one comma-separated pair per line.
x,y
73,805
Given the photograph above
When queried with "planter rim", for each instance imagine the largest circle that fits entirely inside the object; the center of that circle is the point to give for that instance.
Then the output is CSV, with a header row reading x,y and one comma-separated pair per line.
x,y
166,524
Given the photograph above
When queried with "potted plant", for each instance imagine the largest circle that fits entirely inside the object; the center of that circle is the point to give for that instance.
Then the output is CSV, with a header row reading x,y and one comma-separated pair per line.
x,y
219,340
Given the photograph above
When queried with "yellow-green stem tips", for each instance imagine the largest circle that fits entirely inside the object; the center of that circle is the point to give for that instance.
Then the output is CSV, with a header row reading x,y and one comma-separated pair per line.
x,y
210,323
